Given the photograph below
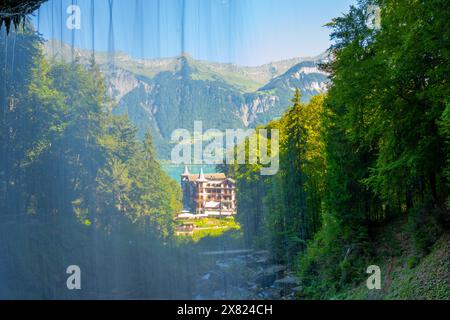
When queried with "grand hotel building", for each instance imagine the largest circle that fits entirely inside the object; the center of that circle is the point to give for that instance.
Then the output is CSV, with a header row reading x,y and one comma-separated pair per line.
x,y
208,194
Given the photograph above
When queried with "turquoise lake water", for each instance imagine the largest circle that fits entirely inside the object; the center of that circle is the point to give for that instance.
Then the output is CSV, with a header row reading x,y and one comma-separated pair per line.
x,y
175,171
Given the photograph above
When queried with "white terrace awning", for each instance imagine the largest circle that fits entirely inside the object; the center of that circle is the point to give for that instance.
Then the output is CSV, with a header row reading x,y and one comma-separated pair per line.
x,y
212,205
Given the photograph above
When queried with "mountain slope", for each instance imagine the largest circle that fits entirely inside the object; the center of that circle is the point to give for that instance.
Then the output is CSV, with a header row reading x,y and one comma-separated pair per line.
x,y
166,94
173,100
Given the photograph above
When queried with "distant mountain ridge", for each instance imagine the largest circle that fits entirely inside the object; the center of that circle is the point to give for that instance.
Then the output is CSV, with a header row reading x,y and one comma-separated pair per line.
x,y
162,95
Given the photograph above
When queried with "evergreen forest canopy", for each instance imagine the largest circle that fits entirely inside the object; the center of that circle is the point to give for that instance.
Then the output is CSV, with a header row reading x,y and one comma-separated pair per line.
x,y
76,185
373,150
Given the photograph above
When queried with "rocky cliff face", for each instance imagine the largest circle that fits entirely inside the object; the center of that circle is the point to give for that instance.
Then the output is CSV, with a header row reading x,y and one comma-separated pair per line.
x,y
120,83
255,106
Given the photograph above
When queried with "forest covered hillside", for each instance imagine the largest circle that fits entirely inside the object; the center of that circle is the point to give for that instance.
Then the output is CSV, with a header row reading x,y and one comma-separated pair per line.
x,y
77,185
364,169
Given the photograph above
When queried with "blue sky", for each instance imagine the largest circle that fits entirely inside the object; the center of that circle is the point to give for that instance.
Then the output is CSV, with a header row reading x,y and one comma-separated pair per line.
x,y
245,32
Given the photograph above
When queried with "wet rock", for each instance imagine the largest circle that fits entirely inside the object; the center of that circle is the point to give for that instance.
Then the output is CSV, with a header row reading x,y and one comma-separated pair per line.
x,y
298,292
288,281
270,294
261,253
262,260
209,282
223,264
286,284
252,263
267,276
206,276
266,280
275,269
298,289
290,296
219,295
247,276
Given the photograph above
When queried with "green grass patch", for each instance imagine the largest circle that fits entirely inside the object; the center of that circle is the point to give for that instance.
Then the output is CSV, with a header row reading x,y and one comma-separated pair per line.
x,y
208,227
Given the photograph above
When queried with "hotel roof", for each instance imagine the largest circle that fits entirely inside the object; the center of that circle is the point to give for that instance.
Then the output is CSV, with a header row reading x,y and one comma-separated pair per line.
x,y
208,176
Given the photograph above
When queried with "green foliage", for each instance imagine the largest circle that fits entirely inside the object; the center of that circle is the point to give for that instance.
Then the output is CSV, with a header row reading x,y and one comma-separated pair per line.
x,y
288,204
69,168
385,153
426,225
107,168
445,132
376,147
